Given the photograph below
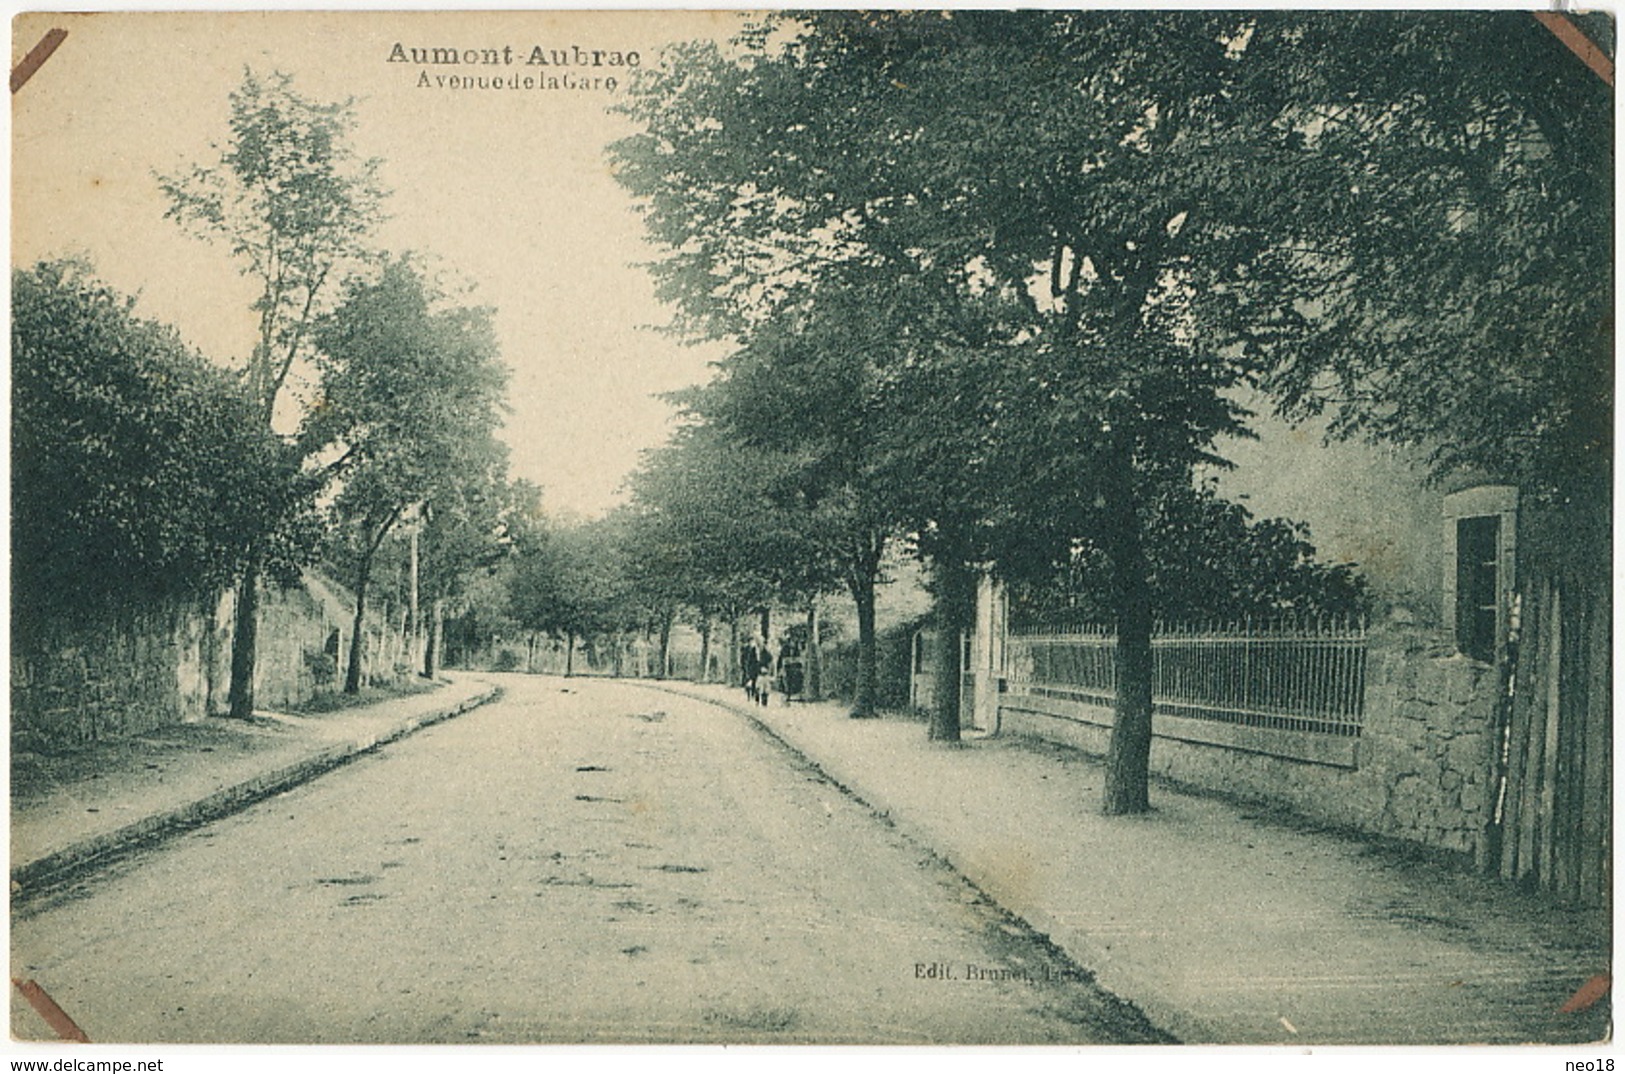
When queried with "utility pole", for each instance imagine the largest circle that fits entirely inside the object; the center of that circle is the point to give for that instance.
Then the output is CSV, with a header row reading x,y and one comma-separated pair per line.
x,y
416,651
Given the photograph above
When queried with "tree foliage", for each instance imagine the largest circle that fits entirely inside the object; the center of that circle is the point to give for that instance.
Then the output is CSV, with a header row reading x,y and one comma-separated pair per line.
x,y
292,202
410,393
1462,253
1212,562
138,472
706,531
1051,348
570,582
1059,316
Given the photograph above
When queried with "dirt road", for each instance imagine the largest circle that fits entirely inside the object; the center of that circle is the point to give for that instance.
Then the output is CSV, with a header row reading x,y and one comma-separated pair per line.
x,y
582,861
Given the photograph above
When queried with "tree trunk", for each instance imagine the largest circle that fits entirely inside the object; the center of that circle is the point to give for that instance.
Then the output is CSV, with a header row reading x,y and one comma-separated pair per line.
x,y
569,653
767,626
812,663
866,689
1128,755
862,568
705,650
955,595
403,649
733,673
244,645
358,643
663,669
358,635
434,640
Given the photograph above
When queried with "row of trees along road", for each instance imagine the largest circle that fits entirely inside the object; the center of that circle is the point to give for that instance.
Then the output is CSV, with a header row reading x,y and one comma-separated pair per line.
x,y
146,472
407,386
1015,342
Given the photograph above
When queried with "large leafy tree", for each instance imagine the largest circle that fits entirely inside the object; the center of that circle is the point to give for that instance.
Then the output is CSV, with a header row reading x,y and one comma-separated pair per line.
x,y
293,204
1464,263
1057,348
138,472
413,386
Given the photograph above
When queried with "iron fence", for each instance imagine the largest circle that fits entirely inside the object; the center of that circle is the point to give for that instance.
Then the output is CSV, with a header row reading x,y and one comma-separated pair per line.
x,y
1297,677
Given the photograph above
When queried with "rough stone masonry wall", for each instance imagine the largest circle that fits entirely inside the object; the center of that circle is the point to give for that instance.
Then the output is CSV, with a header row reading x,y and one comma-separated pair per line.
x,y
1419,771
1427,746
293,637
102,680
145,668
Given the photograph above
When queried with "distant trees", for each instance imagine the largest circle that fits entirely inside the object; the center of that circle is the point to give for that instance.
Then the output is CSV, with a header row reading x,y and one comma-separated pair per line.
x,y
293,205
570,582
467,530
706,540
710,531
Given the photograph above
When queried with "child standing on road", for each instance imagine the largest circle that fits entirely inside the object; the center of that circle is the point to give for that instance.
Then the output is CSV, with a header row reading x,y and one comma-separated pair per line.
x,y
764,674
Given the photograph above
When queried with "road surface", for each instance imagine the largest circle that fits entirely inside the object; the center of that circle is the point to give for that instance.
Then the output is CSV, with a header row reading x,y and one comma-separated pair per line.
x,y
582,861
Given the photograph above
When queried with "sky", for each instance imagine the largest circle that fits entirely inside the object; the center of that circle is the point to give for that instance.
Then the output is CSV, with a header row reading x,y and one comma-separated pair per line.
x,y
509,190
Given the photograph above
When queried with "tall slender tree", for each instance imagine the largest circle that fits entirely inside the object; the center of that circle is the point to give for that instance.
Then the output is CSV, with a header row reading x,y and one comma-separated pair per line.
x,y
291,201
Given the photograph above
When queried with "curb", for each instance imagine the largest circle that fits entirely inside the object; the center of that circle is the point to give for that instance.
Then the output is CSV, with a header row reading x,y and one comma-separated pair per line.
x,y
35,878
1174,1025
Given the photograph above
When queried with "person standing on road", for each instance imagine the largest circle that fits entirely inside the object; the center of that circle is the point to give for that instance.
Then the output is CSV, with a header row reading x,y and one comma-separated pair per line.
x,y
750,667
792,669
764,673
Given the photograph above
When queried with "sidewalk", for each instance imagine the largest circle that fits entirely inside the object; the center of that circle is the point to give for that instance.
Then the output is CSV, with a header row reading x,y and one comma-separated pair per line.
x,y
72,809
1221,923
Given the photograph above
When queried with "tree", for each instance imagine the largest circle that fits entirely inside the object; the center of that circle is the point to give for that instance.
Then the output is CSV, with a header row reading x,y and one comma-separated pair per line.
x,y
293,204
1065,292
138,473
1212,562
776,241
1465,279
570,582
468,529
708,531
416,387
807,395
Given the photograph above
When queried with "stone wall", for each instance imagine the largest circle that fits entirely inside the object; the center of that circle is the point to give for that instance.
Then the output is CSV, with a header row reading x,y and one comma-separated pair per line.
x,y
148,667
1419,770
1426,751
129,673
